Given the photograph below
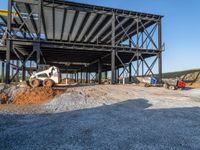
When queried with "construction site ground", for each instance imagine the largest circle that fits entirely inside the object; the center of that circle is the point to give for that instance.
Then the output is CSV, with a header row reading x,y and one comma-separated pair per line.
x,y
102,117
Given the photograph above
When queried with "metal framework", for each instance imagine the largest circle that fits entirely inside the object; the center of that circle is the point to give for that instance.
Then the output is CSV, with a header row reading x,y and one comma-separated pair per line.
x,y
80,38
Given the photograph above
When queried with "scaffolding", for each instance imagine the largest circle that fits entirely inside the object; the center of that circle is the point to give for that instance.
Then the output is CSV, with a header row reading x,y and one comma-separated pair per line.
x,y
80,39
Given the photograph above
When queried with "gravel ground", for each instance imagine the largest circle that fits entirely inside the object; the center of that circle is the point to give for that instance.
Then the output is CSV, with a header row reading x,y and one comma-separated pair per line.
x,y
106,117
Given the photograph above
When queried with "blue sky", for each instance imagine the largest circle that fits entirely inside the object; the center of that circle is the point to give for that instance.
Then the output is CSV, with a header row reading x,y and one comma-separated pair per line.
x,y
181,27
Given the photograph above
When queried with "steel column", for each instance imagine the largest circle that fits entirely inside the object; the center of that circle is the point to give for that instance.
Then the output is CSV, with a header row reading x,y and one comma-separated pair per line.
x,y
106,75
130,72
160,48
77,75
12,70
17,78
36,48
138,63
81,76
142,67
8,42
24,70
117,75
39,18
99,71
86,75
113,76
2,72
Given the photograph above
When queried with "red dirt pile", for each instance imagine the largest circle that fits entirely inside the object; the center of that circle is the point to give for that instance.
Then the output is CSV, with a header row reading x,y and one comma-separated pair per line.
x,y
34,96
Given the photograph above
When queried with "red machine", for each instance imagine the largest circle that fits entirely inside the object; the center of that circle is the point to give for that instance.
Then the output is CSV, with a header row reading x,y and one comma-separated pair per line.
x,y
181,84
173,84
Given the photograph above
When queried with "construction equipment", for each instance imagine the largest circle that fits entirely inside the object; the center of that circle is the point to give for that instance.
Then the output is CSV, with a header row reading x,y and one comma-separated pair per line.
x,y
173,84
147,81
47,78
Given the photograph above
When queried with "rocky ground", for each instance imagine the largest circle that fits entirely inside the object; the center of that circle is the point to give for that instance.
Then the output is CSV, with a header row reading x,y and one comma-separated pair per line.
x,y
105,117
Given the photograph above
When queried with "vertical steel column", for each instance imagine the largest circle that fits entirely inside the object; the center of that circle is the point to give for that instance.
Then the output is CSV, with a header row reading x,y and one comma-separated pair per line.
x,y
137,46
142,68
24,71
96,77
130,72
99,71
8,42
117,75
160,48
36,48
106,75
77,75
113,76
86,75
89,77
17,78
12,71
81,76
2,72
138,63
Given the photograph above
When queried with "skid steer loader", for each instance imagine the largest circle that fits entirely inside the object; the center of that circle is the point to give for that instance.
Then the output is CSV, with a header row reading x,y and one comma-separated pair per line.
x,y
47,78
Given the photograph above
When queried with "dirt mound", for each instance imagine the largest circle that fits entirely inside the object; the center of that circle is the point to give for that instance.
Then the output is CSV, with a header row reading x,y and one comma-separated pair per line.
x,y
193,85
33,96
3,98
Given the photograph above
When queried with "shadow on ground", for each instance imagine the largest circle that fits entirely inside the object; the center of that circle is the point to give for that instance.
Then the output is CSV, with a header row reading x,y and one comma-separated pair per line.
x,y
126,125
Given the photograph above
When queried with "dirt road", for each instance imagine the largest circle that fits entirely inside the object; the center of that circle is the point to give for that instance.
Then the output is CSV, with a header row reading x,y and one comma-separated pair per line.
x,y
106,117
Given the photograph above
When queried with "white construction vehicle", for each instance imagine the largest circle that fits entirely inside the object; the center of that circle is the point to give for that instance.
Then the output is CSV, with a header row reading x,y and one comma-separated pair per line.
x,y
47,78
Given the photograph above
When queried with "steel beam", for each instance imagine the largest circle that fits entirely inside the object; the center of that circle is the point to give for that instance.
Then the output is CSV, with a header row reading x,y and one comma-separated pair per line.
x,y
130,72
113,53
106,75
86,76
53,17
17,78
99,71
29,11
117,75
12,70
63,23
43,20
25,1
2,72
160,48
36,48
8,42
24,70
39,24
138,57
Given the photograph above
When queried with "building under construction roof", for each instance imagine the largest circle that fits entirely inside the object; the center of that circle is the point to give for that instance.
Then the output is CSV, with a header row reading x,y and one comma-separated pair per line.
x,y
79,38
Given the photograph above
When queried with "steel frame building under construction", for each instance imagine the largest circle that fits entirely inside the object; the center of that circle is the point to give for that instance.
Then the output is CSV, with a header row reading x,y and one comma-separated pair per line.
x,y
79,38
